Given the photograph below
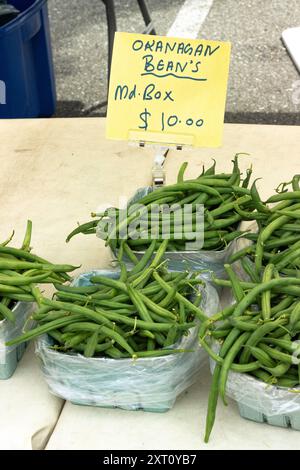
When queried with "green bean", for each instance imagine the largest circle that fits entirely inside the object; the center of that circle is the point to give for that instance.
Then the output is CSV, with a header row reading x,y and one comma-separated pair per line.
x,y
82,228
147,334
76,290
277,355
138,302
295,183
214,392
279,256
266,295
22,280
248,177
236,287
212,402
235,177
158,297
291,272
37,295
278,370
151,326
243,325
263,237
260,207
154,196
229,341
189,305
228,237
281,242
210,171
27,237
142,263
160,338
159,254
264,376
248,268
230,356
74,341
150,344
6,242
96,315
182,313
112,334
222,223
171,336
194,185
167,299
129,253
6,289
284,196
114,353
192,198
291,227
257,335
132,343
44,329
23,254
259,289
218,334
160,352
219,316
111,304
159,319
181,172
246,215
284,303
53,315
230,205
286,382
69,297
55,334
41,312
11,264
226,283
288,259
263,358
142,278
21,297
6,312
241,253
289,213
295,316
157,308
289,346
99,347
106,281
91,344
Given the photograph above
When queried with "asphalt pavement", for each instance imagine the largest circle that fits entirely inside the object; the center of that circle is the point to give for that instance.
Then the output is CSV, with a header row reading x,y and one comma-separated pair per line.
x,y
263,80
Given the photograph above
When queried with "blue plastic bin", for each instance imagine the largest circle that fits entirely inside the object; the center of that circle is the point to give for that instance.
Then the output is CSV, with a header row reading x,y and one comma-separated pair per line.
x,y
27,86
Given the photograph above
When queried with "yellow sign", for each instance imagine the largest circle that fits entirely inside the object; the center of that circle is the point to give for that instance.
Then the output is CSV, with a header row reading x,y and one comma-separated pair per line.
x,y
167,90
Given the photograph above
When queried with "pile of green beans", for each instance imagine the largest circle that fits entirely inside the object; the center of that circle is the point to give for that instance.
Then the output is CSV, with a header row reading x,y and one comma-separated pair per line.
x,y
141,314
257,335
21,271
277,240
226,199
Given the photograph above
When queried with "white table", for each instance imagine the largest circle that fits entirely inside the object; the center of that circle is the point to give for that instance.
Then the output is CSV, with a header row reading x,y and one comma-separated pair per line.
x,y
55,172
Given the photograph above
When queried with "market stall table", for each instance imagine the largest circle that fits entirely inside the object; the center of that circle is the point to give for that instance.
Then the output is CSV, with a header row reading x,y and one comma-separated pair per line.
x,y
180,428
56,172
28,413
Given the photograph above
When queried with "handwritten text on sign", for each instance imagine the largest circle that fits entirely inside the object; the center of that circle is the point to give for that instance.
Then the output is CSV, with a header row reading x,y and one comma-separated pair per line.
x,y
167,90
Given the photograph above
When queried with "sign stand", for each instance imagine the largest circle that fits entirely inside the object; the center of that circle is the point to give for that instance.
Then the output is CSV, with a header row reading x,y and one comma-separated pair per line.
x,y
167,93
